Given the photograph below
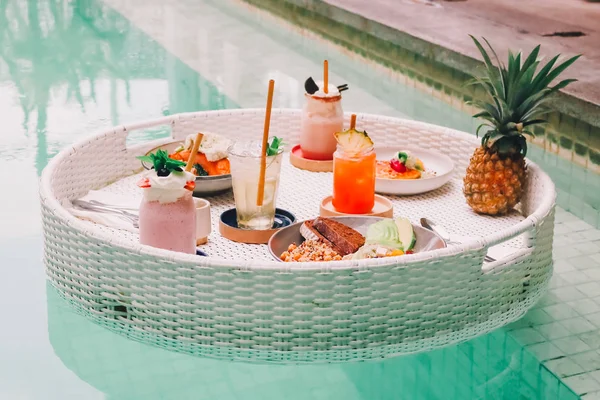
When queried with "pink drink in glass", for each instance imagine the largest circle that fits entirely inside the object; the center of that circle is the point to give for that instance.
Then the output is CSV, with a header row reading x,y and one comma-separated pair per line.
x,y
322,117
168,217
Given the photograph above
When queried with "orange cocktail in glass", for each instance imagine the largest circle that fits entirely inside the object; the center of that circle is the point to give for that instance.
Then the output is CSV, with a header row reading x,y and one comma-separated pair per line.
x,y
354,181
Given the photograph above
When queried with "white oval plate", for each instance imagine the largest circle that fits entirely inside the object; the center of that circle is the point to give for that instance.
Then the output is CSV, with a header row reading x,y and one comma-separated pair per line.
x,y
442,165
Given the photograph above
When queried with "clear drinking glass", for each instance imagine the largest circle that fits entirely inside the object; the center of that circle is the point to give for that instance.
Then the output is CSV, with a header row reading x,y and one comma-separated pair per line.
x,y
322,118
354,181
244,159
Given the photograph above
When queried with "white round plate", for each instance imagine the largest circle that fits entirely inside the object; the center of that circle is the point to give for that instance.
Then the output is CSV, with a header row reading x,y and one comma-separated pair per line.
x,y
442,165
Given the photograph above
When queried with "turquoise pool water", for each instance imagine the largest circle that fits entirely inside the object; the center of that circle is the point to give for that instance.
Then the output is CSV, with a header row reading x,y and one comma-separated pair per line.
x,y
68,68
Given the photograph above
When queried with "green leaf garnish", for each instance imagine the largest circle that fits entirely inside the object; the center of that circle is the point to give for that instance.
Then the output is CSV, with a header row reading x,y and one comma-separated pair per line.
x,y
161,161
274,147
145,159
200,171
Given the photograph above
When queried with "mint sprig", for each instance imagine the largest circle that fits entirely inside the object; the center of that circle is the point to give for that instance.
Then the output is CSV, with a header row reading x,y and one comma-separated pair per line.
x,y
274,147
160,161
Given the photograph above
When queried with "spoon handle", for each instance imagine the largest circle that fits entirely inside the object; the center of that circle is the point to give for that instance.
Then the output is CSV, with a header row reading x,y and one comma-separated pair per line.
x,y
436,228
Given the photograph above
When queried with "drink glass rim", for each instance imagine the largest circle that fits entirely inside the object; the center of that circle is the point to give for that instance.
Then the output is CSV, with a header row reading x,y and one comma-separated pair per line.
x,y
233,153
340,152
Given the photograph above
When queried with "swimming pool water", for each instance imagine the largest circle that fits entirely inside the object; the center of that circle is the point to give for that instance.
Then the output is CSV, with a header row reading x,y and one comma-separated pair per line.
x,y
68,68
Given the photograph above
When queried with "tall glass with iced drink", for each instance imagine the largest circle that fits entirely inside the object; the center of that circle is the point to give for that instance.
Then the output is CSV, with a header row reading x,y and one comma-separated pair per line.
x,y
322,117
354,172
245,158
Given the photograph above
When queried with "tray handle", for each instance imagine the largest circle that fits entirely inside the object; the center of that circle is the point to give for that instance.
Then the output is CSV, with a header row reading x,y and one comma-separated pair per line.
x,y
124,131
529,227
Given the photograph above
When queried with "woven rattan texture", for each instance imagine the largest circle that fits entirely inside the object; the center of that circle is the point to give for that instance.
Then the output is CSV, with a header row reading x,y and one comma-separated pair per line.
x,y
242,306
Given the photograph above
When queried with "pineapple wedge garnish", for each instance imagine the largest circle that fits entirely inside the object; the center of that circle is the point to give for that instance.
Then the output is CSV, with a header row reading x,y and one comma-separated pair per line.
x,y
353,141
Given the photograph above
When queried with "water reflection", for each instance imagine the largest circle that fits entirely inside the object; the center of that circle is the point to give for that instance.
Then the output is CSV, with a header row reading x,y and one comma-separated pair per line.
x,y
74,65
492,366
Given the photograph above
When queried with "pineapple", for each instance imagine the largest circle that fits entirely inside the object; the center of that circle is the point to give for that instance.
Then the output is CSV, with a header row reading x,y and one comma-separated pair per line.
x,y
496,175
353,141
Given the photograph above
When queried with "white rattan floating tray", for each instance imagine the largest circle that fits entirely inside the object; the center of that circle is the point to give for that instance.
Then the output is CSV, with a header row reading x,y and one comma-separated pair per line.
x,y
239,303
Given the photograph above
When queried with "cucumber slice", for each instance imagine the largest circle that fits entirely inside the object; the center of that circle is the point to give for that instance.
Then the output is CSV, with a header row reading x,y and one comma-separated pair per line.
x,y
406,234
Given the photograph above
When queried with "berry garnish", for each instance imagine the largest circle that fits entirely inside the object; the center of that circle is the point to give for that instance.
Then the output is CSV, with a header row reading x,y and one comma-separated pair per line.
x,y
162,164
310,86
190,185
144,183
163,172
397,165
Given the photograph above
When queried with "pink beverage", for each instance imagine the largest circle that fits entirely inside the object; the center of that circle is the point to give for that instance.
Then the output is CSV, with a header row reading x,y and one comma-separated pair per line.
x,y
322,117
169,226
168,212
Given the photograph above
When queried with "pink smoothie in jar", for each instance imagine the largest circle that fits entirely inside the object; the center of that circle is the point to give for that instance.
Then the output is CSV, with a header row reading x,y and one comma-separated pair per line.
x,y
322,118
168,213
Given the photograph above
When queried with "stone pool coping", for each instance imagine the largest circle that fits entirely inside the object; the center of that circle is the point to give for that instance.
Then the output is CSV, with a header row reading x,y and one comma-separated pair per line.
x,y
441,34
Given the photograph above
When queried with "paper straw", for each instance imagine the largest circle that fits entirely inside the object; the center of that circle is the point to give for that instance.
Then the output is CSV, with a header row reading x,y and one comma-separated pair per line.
x,y
194,152
326,76
263,158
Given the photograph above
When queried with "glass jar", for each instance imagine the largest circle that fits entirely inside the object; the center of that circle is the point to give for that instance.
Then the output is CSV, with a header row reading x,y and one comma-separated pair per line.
x,y
322,117
169,225
354,181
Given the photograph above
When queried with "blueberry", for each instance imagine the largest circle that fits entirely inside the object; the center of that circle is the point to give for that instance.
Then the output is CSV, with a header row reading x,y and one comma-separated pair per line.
x,y
163,172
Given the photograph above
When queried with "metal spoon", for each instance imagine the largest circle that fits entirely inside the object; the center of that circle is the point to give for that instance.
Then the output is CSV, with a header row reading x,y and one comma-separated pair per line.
x,y
428,224
108,210
99,203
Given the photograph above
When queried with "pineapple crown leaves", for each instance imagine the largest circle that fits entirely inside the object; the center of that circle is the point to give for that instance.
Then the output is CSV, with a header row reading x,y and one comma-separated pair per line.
x,y
518,94
160,161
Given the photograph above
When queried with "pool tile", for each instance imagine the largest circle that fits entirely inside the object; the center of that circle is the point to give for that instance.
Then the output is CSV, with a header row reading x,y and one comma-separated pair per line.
x,y
578,325
518,324
538,317
564,393
554,330
583,383
585,306
592,234
575,277
563,266
591,289
560,311
587,248
548,299
592,273
556,282
594,318
591,338
578,225
571,345
567,252
589,360
564,367
545,351
527,336
569,293
591,396
586,262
